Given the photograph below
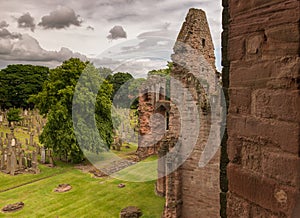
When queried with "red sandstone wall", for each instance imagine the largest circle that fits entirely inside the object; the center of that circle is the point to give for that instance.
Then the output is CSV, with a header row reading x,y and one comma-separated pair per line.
x,y
264,108
191,191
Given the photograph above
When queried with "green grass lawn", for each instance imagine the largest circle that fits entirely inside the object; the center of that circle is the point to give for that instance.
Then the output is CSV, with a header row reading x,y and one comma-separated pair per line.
x,y
90,197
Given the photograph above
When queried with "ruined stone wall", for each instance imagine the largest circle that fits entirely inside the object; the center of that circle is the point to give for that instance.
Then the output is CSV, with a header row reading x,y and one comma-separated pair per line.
x,y
264,107
152,115
192,191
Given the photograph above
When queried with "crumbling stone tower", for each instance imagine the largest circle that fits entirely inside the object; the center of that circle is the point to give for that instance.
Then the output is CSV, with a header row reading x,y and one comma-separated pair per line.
x,y
178,129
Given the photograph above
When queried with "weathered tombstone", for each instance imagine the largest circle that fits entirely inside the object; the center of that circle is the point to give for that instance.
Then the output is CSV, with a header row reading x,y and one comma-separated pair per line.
x,y
51,161
2,159
8,163
35,163
31,139
27,144
28,159
13,162
21,156
24,160
13,142
43,155
38,149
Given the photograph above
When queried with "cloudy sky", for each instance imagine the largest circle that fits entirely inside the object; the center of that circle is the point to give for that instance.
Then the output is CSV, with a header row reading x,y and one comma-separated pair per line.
x,y
126,35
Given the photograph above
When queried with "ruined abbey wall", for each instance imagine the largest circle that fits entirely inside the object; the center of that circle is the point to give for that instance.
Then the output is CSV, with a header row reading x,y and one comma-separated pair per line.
x,y
256,172
262,72
191,190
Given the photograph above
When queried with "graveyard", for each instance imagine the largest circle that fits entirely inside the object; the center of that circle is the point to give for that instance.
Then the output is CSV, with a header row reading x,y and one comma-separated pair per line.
x,y
30,176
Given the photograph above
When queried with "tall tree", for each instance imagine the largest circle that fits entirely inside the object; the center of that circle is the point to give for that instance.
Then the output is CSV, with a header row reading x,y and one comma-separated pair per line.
x,y
56,100
118,79
18,82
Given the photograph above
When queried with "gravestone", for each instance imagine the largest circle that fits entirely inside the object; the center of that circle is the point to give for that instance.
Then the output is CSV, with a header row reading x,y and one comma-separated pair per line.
x,y
43,155
31,139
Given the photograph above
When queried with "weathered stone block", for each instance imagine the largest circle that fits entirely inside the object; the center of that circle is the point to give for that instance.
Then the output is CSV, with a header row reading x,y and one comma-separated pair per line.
x,y
261,190
288,33
237,48
237,6
278,133
240,101
237,207
281,166
259,19
278,104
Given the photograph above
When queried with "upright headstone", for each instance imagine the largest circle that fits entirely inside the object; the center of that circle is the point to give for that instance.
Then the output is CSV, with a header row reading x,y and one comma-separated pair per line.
x,y
31,139
35,163
13,162
28,158
21,156
43,155
13,142
51,161
27,144
8,162
2,158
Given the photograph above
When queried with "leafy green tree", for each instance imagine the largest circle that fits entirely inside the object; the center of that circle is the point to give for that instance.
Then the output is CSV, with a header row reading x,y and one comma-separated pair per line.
x,y
133,90
18,82
13,115
56,100
117,80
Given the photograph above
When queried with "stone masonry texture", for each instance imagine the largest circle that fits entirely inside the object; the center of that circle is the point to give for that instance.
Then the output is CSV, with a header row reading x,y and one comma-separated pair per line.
x,y
261,55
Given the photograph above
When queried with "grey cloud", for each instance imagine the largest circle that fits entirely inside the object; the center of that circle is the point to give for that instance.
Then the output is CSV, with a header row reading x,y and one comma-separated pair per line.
x,y
123,16
3,24
5,34
28,49
90,28
26,21
61,18
117,32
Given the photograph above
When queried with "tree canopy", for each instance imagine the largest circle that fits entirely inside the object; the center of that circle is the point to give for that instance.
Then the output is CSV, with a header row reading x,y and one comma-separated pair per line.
x,y
117,80
13,115
18,82
56,101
